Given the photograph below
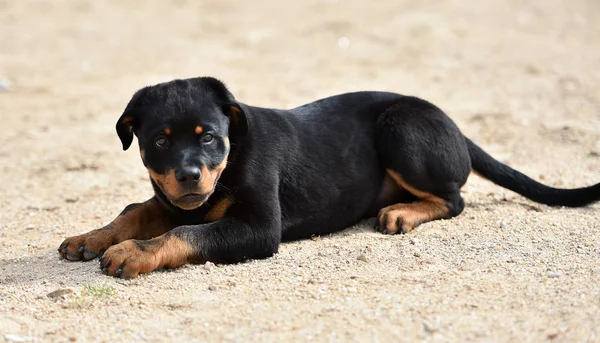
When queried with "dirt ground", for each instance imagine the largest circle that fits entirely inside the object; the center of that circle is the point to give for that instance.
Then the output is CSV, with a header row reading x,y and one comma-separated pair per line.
x,y
522,80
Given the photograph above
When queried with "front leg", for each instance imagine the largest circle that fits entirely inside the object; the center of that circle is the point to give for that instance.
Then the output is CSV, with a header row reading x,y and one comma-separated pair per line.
x,y
228,240
137,221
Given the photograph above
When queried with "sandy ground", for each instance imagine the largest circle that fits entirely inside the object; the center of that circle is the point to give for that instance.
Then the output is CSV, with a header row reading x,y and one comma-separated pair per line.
x,y
521,80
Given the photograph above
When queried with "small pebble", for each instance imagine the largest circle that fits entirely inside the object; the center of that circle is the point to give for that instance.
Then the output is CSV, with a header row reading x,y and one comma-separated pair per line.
x,y
362,257
212,288
209,265
417,254
428,327
29,227
59,293
553,275
502,225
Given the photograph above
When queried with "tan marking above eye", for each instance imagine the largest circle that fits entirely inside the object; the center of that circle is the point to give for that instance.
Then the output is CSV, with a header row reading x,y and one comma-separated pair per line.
x,y
198,130
167,131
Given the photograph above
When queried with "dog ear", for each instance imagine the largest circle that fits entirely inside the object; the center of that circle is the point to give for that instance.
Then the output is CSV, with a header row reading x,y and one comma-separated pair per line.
x,y
238,126
129,121
125,126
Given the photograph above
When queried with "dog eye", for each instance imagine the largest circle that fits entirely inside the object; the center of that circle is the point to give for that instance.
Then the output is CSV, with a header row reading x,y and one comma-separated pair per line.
x,y
207,138
161,142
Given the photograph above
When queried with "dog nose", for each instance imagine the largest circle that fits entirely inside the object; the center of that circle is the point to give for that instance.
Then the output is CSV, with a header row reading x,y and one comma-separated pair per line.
x,y
188,174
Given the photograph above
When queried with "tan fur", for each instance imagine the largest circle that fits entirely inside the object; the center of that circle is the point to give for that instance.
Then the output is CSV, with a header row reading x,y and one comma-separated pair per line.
x,y
167,182
170,186
218,211
406,217
234,114
134,258
145,221
174,252
210,177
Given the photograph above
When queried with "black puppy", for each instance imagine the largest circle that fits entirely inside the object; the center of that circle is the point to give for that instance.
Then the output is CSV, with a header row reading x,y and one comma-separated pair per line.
x,y
232,181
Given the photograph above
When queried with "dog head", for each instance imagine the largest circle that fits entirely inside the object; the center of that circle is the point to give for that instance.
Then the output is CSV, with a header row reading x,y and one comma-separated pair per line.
x,y
183,129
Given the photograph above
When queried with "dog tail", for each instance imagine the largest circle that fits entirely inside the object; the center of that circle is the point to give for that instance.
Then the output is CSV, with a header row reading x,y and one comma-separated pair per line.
x,y
502,175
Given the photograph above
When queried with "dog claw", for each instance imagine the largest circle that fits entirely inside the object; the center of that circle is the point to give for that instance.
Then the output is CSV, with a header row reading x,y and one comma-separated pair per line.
x,y
73,258
89,255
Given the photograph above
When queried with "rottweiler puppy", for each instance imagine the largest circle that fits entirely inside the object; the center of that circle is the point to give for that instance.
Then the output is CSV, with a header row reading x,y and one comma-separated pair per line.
x,y
233,181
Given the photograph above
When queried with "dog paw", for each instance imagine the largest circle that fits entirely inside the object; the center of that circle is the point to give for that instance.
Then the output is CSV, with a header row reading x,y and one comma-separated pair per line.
x,y
87,246
396,219
130,258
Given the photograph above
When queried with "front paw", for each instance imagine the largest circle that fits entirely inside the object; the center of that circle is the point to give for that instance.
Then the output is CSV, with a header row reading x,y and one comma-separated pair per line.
x,y
130,258
87,246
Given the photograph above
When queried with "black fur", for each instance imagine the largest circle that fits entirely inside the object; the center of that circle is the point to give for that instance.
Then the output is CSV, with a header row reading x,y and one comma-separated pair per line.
x,y
311,170
507,177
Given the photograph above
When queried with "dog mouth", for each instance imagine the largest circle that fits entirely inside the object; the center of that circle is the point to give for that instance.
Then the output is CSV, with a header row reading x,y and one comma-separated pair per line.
x,y
190,201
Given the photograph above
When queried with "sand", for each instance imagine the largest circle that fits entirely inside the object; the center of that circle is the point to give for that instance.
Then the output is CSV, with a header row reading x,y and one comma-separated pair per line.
x,y
521,79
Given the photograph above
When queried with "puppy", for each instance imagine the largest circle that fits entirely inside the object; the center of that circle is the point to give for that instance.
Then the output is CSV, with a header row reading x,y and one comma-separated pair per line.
x,y
233,181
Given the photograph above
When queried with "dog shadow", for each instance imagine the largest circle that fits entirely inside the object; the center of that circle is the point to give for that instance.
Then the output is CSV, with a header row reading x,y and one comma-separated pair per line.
x,y
46,267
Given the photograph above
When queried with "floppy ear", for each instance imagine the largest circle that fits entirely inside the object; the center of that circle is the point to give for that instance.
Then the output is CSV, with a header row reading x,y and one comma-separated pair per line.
x,y
238,126
130,119
125,127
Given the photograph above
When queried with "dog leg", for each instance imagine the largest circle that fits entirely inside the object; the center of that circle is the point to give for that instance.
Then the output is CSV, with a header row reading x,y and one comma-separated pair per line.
x,y
228,240
140,221
425,154
247,232
403,218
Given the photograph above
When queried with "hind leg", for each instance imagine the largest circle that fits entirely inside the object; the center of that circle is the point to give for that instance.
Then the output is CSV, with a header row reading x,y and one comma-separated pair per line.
x,y
404,217
424,153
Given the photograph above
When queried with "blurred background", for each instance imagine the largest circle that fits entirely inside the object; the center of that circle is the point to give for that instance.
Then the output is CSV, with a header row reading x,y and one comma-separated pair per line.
x,y
521,78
